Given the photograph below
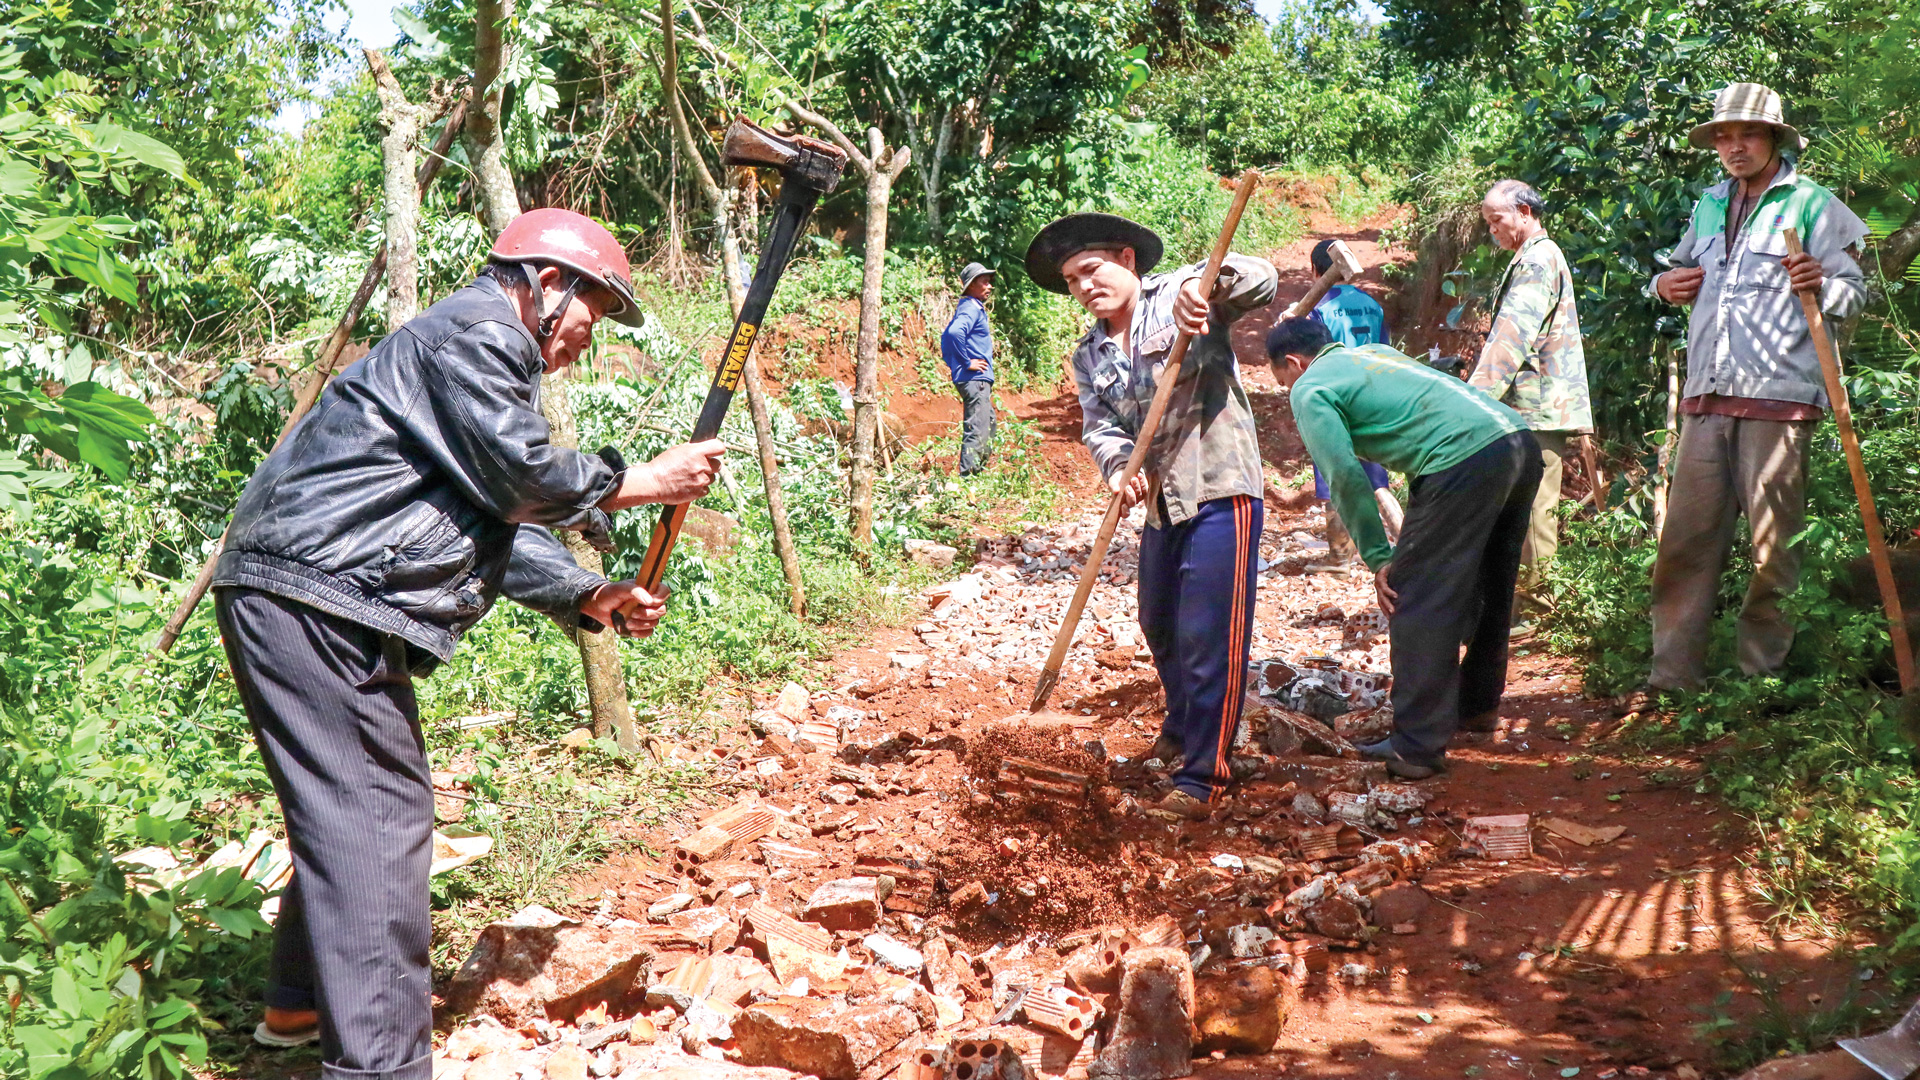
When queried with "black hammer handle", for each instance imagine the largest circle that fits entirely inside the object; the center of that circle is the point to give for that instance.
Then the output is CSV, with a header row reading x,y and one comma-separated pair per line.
x,y
795,207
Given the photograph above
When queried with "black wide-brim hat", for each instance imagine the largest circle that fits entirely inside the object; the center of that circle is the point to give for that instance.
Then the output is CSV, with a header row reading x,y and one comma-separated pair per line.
x,y
1066,237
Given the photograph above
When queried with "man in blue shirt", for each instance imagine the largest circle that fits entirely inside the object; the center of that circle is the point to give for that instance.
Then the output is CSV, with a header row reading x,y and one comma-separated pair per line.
x,y
1351,318
967,347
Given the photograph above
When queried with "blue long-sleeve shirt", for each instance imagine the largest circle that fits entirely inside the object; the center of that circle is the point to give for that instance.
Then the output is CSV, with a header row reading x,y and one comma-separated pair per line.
x,y
967,338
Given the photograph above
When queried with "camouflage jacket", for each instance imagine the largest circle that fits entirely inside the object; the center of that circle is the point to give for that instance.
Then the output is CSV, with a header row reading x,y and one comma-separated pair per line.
x,y
1206,447
1533,361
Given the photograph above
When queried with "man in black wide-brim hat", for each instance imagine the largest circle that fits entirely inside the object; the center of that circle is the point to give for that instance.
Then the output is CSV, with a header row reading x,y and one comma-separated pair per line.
x,y
1201,480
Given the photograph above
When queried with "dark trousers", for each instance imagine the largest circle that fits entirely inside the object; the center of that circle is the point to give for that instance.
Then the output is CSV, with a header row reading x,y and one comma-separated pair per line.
x,y
1454,569
333,710
976,433
1197,583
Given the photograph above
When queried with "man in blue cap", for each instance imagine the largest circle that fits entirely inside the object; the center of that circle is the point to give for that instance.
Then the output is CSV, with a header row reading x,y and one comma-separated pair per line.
x,y
1201,479
967,347
1351,318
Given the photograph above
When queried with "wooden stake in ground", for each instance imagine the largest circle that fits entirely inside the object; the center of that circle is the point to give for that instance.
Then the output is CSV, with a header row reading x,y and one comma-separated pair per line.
x,y
1142,439
322,370
1857,465
881,165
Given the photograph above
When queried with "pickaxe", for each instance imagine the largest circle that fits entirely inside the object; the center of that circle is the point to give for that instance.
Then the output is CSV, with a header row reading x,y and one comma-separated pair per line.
x,y
1345,267
808,169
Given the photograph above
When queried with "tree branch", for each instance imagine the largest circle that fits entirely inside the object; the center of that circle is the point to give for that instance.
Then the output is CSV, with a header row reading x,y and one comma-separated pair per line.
x,y
832,130
1898,250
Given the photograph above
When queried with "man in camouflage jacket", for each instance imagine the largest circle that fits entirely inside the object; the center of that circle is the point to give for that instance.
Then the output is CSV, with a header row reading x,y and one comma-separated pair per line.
x,y
1533,361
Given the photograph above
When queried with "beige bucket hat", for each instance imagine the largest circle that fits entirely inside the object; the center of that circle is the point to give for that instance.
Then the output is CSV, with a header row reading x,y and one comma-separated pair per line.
x,y
1746,102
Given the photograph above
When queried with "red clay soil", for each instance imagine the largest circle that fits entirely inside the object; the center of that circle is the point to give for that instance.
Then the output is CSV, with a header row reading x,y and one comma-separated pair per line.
x,y
1602,958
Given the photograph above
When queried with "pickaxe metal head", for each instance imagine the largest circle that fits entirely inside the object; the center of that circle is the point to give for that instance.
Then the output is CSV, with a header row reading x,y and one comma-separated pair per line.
x,y
1345,263
799,159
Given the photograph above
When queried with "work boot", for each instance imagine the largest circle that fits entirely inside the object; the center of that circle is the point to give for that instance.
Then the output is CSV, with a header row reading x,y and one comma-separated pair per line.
x,y
1187,806
1404,768
284,1028
1167,749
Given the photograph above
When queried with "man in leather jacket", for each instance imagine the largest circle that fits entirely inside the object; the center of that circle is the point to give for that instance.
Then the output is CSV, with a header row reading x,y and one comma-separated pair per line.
x,y
422,486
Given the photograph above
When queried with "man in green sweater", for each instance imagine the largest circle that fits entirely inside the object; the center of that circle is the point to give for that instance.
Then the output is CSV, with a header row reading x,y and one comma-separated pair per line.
x,y
1474,468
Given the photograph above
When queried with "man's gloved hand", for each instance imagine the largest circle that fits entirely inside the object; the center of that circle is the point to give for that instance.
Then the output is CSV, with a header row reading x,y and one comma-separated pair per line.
x,y
626,607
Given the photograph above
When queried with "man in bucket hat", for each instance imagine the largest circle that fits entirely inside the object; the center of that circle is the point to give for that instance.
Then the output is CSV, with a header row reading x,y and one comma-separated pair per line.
x,y
967,347
1201,546
421,487
1754,391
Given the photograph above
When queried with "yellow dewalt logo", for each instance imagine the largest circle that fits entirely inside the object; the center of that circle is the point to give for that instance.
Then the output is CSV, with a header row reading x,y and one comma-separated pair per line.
x,y
736,360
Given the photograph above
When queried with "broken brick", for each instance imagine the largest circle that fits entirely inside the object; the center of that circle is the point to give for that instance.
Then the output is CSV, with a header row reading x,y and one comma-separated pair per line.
x,y
1061,1011
1500,836
1153,1031
811,1035
847,904
720,833
538,965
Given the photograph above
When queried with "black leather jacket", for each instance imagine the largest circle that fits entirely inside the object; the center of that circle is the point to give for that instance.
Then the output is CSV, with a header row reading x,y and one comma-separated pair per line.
x,y
422,486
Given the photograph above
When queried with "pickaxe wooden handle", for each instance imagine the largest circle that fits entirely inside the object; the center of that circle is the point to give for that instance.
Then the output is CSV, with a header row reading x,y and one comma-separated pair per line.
x,y
1345,267
1857,465
1142,440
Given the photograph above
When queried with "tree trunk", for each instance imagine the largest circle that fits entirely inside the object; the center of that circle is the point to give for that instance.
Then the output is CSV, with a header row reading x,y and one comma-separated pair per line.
x,y
400,192
721,203
886,167
599,653
484,138
881,167
1898,250
500,204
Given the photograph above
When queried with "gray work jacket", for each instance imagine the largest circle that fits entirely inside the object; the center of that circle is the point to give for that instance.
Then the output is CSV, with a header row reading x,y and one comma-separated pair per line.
x,y
1748,335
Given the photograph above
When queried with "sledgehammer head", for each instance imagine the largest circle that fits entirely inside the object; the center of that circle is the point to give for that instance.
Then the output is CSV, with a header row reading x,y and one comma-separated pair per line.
x,y
1345,266
799,159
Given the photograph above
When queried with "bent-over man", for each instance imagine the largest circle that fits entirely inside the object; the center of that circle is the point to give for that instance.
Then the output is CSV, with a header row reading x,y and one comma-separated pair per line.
x,y
1754,390
1201,546
421,486
1473,467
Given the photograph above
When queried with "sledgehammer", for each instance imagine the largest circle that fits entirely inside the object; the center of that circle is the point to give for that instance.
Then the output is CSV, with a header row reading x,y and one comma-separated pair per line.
x,y
808,169
1345,267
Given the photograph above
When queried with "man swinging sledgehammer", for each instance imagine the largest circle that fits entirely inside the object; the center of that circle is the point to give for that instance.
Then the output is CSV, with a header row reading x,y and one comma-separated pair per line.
x,y
419,489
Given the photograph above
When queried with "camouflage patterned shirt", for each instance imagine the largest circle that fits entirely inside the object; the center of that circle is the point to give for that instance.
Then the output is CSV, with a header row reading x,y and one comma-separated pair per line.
x,y
1533,360
1206,447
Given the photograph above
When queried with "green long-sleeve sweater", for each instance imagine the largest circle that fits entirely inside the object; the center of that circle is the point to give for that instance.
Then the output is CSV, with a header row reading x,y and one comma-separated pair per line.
x,y
1377,403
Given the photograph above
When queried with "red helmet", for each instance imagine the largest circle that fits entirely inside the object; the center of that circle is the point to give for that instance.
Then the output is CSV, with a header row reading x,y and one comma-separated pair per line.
x,y
575,242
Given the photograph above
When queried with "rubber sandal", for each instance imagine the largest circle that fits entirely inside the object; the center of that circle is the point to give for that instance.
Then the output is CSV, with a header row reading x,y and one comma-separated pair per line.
x,y
284,1040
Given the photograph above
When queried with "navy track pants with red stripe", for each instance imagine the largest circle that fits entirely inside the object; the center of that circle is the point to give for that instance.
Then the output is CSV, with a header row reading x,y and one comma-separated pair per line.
x,y
1197,587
